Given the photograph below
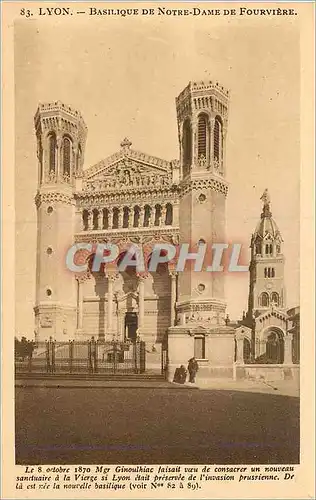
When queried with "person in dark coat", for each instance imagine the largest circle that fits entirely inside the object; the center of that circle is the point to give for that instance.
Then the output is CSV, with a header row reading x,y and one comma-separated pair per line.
x,y
192,369
182,374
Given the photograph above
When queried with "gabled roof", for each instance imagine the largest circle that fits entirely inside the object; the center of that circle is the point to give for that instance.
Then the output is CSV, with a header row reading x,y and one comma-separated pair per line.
x,y
277,313
126,153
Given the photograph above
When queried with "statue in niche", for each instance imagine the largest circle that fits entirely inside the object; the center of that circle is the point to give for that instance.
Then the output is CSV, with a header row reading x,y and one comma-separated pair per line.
x,y
52,176
216,165
202,161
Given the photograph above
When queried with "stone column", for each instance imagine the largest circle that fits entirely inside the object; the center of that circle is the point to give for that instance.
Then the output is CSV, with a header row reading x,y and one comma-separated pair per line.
x,y
130,216
111,279
257,348
58,161
288,349
120,218
163,216
151,219
100,218
110,218
194,143
173,276
89,220
141,215
141,301
263,347
240,351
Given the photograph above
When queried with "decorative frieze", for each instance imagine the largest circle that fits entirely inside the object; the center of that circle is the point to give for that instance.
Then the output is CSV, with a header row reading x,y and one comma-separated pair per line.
x,y
199,184
53,197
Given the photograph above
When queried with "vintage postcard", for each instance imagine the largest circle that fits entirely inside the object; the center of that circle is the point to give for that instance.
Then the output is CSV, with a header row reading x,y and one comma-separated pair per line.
x,y
158,250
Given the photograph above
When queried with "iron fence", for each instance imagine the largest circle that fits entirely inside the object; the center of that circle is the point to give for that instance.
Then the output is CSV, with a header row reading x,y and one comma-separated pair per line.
x,y
91,357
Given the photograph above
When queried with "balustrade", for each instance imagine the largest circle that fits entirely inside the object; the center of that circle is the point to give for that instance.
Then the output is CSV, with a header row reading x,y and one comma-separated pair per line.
x,y
98,219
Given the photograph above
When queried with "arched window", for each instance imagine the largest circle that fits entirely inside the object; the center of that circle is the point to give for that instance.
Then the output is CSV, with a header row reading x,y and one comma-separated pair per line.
x,y
157,215
258,248
272,273
264,300
169,214
275,298
85,220
202,136
147,215
187,147
40,158
52,153
95,219
105,221
78,158
125,217
265,272
136,217
218,139
115,218
66,156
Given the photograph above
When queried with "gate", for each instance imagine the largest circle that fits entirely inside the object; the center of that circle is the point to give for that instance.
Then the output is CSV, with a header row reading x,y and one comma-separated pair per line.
x,y
91,357
164,357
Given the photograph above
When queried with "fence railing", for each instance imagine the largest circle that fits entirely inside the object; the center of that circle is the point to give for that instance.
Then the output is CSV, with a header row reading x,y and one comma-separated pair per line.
x,y
76,357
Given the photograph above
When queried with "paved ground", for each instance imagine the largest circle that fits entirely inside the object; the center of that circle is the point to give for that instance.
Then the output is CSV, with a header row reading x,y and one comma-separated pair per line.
x,y
133,425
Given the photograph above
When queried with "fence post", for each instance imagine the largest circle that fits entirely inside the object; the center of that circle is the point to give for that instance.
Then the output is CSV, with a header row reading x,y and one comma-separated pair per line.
x,y
96,347
114,356
71,354
47,357
53,356
142,357
89,357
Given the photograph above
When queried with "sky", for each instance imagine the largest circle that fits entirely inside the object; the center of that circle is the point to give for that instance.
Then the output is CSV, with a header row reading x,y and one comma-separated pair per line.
x,y
124,74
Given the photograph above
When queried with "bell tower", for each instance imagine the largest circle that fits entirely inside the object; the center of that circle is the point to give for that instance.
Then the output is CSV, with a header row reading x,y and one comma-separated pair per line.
x,y
201,330
202,113
61,136
266,287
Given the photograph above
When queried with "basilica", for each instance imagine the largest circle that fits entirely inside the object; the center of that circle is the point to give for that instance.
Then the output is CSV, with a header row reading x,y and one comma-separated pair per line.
x,y
133,197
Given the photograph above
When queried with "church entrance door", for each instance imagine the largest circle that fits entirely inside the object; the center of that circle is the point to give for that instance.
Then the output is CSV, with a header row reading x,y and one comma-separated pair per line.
x,y
131,325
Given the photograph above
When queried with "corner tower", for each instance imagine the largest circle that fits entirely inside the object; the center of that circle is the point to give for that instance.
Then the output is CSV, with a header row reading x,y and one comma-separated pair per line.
x,y
202,113
201,331
61,136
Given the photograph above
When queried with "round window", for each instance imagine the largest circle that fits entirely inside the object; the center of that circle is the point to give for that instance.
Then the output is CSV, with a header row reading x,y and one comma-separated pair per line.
x,y
48,292
201,287
49,251
202,198
50,210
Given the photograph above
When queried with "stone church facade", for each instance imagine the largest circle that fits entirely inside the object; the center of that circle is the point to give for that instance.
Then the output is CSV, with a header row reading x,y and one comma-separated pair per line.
x,y
132,197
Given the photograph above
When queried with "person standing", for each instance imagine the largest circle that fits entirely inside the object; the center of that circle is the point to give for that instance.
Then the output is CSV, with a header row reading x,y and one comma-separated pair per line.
x,y
192,369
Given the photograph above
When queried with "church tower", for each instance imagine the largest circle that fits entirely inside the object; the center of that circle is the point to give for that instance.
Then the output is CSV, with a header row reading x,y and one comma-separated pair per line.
x,y
266,287
202,113
61,136
201,331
